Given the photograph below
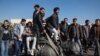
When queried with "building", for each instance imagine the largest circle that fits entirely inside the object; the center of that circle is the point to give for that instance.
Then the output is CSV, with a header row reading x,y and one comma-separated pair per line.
x,y
16,21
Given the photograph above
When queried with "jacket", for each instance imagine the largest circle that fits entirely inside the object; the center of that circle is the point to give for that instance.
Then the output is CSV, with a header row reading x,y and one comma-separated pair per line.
x,y
53,21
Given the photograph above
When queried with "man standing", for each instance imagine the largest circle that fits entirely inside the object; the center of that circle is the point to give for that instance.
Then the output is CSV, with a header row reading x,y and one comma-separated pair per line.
x,y
95,34
37,9
75,33
86,30
64,29
37,23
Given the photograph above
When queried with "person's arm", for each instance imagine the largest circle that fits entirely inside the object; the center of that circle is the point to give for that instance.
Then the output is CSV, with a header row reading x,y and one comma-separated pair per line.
x,y
1,32
57,23
80,32
92,33
39,18
27,32
10,33
69,31
16,32
34,16
24,32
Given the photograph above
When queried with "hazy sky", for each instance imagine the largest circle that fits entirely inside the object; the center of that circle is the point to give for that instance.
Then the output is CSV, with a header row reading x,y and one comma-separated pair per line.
x,y
81,9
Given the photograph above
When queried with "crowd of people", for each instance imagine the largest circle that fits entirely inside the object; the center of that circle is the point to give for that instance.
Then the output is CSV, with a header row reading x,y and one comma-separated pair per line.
x,y
23,38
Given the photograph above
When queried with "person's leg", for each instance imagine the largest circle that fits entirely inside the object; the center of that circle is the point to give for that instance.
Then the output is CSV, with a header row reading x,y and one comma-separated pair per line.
x,y
97,48
33,45
81,50
38,37
55,34
24,48
2,48
28,39
20,47
6,47
17,47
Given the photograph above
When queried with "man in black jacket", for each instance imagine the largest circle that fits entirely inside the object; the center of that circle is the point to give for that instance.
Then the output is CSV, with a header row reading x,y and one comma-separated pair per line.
x,y
53,23
38,26
64,29
37,8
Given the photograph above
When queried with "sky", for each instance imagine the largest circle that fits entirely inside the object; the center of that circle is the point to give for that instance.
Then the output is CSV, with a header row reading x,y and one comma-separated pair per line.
x,y
80,9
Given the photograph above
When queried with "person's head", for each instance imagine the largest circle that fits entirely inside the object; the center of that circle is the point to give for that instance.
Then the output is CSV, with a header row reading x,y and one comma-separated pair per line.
x,y
74,20
65,20
87,22
29,24
97,22
56,10
42,11
36,7
23,21
6,23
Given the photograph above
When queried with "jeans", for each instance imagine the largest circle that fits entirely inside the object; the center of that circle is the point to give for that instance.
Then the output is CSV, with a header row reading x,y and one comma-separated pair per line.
x,y
18,45
34,42
97,48
4,47
79,43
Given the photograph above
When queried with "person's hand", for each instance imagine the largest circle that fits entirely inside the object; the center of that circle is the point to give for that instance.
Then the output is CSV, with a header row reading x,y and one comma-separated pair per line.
x,y
62,33
44,31
58,30
27,34
19,37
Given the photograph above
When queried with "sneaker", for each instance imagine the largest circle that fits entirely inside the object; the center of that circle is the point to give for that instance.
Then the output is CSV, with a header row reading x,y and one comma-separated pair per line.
x,y
32,52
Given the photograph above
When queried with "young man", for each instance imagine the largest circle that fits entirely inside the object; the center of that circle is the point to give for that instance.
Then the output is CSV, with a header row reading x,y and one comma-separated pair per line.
x,y
37,9
74,32
18,32
37,24
95,35
64,29
86,31
53,23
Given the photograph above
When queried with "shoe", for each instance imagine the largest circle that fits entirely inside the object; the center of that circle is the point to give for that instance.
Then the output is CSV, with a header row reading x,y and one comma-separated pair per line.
x,y
32,52
28,51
